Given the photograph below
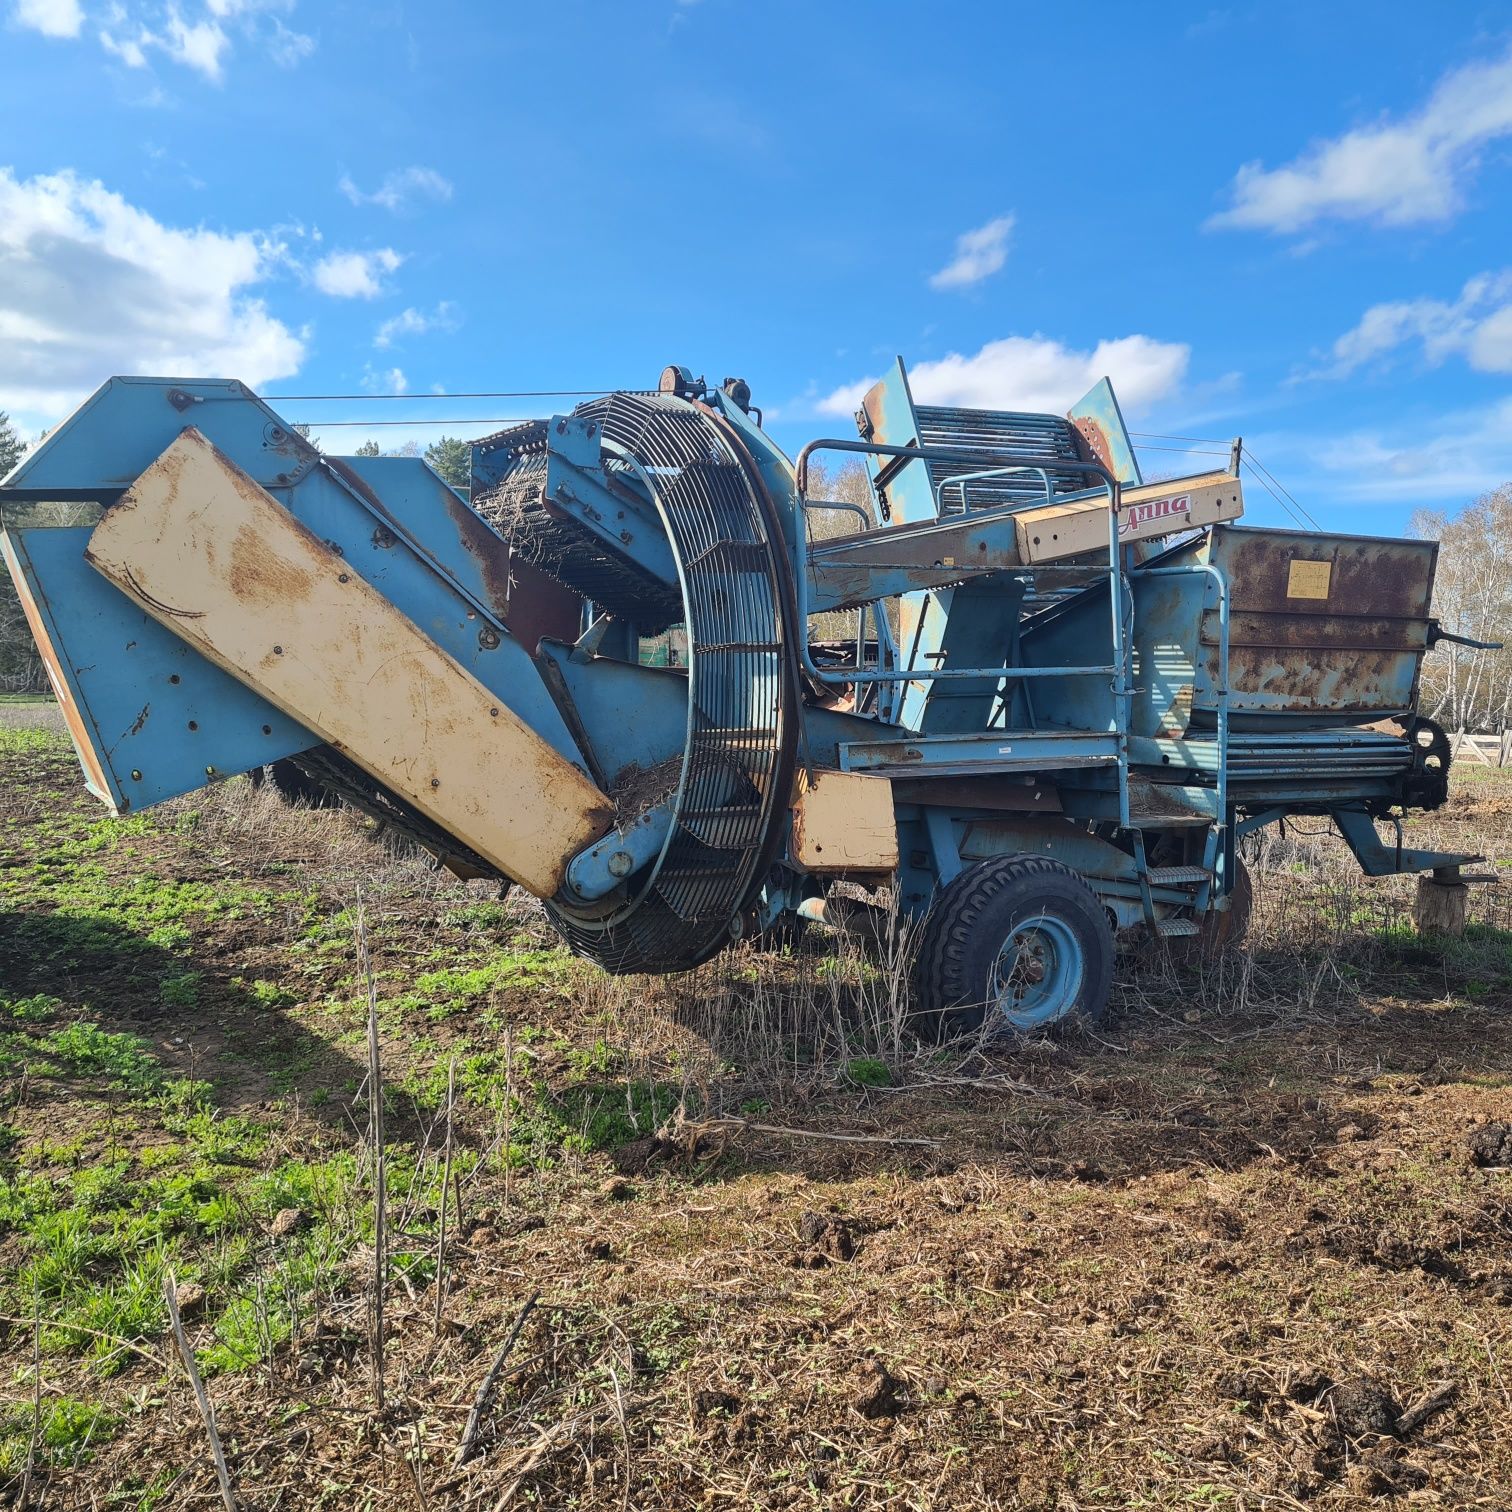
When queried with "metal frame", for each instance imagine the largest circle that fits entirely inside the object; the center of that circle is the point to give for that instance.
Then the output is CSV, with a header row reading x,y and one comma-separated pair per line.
x,y
1117,669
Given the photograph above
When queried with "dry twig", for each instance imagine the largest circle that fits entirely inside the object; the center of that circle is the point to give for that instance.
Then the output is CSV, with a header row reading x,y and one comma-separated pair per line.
x,y
201,1396
468,1445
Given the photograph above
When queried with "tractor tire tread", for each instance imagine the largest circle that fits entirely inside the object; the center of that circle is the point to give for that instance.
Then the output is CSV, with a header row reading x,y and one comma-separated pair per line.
x,y
953,928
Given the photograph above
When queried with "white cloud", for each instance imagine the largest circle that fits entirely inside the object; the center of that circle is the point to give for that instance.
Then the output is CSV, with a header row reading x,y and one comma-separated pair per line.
x,y
131,30
92,286
413,322
978,255
1037,374
130,50
1411,171
53,18
1452,456
1476,326
354,275
400,189
390,381
200,46
287,47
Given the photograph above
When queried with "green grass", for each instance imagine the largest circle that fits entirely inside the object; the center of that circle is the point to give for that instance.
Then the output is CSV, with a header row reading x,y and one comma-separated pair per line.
x,y
867,1071
84,1049
31,742
70,1430
457,989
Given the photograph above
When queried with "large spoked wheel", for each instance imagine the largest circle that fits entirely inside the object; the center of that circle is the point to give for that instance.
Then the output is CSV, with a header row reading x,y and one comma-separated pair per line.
x,y
1016,944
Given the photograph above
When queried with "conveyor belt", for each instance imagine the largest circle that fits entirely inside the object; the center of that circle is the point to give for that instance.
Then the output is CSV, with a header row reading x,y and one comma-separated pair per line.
x,y
516,506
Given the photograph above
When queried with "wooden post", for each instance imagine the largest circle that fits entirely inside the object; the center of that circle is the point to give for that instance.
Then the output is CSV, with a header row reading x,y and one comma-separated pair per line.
x,y
1442,903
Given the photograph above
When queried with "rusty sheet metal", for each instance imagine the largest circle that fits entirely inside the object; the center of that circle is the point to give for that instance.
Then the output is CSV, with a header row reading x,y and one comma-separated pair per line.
x,y
1341,639
215,559
1100,424
540,608
844,824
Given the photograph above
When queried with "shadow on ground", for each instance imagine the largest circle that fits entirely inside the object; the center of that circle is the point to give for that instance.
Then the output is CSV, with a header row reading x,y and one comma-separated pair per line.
x,y
199,1021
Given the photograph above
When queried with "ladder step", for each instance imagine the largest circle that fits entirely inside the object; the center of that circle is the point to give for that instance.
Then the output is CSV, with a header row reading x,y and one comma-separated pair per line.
x,y
1173,876
1176,927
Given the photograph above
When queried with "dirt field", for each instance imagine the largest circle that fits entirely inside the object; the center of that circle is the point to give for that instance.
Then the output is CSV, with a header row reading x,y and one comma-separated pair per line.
x,y
1248,1244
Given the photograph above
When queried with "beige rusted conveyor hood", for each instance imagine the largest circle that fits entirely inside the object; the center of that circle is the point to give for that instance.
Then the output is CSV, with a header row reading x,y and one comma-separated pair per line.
x,y
211,556
848,570
1058,532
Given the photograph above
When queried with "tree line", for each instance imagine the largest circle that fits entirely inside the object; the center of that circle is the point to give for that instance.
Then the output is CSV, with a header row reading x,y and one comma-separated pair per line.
x,y
1464,688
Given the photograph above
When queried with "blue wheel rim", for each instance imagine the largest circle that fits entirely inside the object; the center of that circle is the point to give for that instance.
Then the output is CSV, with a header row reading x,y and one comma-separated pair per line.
x,y
1038,974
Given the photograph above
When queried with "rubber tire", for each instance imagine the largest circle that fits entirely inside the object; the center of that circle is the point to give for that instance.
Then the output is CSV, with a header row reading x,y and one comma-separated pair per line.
x,y
975,914
295,786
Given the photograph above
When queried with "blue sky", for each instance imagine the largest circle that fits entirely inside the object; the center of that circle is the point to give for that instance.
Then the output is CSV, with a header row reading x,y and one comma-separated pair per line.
x,y
1286,221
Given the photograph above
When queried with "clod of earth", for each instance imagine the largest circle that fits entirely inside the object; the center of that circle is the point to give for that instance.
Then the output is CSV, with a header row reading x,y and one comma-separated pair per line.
x,y
877,1390
825,1237
1242,1386
1490,1145
707,1402
1363,1406
190,1296
288,1222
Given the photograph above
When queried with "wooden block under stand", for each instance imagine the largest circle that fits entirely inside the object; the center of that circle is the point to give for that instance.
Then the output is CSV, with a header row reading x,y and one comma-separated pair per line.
x,y
1440,907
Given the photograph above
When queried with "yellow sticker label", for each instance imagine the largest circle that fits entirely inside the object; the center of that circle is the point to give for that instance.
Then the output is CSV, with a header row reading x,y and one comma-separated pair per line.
x,y
1307,579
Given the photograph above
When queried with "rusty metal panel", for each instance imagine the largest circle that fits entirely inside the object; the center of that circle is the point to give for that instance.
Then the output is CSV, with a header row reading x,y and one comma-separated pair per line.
x,y
1100,423
844,823
1058,531
538,607
1322,626
206,552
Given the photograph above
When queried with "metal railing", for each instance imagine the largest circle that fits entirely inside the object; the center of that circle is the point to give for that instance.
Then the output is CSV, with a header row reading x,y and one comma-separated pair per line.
x,y
1117,670
1219,578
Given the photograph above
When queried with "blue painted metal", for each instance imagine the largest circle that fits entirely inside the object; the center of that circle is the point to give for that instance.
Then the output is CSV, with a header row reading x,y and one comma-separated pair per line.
x,y
1100,422
911,671
417,544
945,853
1038,974
1146,704
594,873
1378,859
987,751
629,716
127,423
160,718
1214,846
623,517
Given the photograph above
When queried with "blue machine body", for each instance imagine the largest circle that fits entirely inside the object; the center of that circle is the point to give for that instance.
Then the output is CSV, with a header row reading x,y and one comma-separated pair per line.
x,y
1131,711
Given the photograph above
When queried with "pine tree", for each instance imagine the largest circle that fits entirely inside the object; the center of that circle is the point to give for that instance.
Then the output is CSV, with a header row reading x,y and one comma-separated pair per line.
x,y
452,458
10,445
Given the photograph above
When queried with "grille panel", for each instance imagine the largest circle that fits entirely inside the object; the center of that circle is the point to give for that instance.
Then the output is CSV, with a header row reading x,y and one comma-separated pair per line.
x,y
742,721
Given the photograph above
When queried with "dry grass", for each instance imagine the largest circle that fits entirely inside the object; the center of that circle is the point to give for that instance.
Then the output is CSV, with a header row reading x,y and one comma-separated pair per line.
x,y
1229,1249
